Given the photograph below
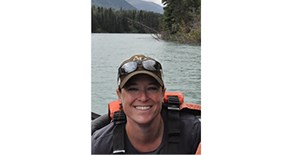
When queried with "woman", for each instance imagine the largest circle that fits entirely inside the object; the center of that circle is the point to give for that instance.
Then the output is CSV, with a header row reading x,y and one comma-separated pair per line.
x,y
149,127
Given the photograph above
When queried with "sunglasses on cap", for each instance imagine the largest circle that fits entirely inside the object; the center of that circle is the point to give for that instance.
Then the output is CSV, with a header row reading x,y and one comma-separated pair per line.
x,y
149,64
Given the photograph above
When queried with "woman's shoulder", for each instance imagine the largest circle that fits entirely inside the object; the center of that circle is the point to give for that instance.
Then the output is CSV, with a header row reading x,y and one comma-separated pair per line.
x,y
102,140
104,132
189,126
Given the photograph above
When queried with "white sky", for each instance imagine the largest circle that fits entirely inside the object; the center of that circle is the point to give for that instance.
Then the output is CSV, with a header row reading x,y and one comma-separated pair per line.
x,y
155,1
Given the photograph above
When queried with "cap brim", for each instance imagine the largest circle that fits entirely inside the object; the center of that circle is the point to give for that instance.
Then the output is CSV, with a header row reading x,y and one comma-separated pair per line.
x,y
124,81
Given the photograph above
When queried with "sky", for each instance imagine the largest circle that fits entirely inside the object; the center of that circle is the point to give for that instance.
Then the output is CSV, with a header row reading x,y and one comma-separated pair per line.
x,y
155,1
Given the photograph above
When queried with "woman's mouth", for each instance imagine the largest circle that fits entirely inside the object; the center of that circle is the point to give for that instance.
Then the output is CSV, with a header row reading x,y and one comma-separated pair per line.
x,y
142,107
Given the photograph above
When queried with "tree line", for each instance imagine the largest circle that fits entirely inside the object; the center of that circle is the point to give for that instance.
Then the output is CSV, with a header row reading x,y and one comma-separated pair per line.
x,y
108,20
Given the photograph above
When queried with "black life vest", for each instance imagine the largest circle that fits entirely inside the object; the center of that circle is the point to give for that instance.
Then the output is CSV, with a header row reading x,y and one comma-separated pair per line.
x,y
173,101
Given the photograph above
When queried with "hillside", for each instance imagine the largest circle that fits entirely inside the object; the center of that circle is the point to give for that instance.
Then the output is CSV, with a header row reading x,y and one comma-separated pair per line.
x,y
147,6
116,4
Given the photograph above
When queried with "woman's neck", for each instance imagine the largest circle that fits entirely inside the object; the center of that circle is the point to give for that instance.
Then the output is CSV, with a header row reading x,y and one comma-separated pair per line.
x,y
145,138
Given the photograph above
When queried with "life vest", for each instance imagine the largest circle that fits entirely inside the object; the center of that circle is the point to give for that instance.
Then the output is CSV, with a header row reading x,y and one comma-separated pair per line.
x,y
173,101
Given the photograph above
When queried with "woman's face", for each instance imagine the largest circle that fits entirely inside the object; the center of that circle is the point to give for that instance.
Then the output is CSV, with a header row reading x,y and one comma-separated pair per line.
x,y
142,99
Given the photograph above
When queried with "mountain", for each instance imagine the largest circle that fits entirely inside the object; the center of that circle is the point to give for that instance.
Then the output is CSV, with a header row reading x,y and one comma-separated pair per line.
x,y
147,6
116,4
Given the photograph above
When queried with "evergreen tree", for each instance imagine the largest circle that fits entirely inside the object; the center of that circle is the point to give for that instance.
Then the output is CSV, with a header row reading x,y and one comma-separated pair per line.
x,y
181,20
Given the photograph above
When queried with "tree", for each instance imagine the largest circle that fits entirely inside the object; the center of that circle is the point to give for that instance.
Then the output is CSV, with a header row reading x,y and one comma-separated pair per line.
x,y
181,20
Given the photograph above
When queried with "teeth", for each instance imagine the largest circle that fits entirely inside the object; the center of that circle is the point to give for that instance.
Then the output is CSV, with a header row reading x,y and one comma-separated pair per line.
x,y
142,107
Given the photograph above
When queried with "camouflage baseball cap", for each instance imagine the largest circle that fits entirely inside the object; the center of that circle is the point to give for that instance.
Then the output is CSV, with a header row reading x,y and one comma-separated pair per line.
x,y
139,64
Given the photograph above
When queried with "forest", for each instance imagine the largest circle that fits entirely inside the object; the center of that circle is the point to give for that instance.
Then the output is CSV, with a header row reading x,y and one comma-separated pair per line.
x,y
108,20
180,22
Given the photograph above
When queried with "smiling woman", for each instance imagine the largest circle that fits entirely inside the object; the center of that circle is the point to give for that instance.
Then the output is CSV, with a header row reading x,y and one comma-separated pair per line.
x,y
143,123
142,99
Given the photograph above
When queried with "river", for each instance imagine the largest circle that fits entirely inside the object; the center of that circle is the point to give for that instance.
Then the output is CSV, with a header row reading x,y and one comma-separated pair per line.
x,y
181,65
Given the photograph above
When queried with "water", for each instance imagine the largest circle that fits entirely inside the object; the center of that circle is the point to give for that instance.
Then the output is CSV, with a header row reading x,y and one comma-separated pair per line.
x,y
181,65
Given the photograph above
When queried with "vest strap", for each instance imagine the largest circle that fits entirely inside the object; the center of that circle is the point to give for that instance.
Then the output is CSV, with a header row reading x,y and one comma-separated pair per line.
x,y
119,132
173,115
118,139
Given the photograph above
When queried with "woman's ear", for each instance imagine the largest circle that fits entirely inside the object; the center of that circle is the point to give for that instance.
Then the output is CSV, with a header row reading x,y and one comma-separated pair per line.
x,y
118,91
164,91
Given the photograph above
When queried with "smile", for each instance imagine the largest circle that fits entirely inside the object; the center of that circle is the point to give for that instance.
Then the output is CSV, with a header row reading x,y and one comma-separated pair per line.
x,y
142,107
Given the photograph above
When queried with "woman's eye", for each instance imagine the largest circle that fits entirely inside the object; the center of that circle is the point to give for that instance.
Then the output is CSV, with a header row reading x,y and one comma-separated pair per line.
x,y
153,88
132,89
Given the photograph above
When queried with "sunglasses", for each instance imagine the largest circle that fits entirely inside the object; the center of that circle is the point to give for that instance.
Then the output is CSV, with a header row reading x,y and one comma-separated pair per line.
x,y
129,67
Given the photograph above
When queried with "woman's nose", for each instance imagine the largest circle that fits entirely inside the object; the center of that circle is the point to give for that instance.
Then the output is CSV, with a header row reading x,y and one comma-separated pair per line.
x,y
143,96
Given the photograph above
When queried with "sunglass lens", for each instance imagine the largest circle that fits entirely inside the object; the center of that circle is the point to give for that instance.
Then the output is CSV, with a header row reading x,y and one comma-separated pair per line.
x,y
128,68
150,65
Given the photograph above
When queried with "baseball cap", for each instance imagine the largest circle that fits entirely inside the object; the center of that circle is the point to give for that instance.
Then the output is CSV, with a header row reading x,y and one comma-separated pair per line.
x,y
139,64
